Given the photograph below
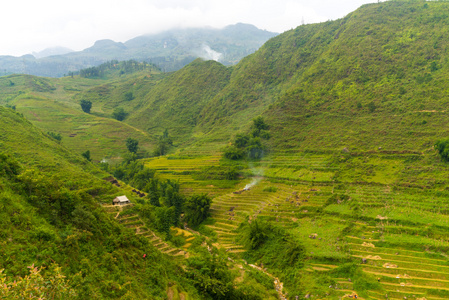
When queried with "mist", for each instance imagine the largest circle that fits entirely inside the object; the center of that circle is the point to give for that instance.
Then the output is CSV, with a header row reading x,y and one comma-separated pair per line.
x,y
207,53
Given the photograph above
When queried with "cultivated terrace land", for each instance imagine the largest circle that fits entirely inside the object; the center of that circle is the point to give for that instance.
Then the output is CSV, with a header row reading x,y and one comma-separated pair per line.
x,y
317,153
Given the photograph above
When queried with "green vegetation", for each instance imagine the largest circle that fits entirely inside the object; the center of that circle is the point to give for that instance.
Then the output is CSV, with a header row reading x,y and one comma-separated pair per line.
x,y
121,68
197,209
351,197
35,286
86,155
56,136
53,217
249,146
119,114
86,105
163,143
443,149
132,145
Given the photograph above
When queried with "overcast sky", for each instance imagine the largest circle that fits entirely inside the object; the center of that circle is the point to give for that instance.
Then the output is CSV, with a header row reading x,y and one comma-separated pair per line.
x,y
33,25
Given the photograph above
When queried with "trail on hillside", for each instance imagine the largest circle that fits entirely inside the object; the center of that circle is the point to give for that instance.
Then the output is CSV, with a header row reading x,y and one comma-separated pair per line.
x,y
279,286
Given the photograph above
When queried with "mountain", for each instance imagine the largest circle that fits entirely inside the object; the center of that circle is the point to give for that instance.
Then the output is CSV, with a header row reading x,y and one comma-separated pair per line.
x,y
355,107
170,50
51,216
349,196
62,238
321,73
52,52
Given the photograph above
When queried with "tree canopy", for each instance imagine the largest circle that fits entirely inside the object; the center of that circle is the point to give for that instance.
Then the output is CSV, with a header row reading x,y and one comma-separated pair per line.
x,y
132,145
86,105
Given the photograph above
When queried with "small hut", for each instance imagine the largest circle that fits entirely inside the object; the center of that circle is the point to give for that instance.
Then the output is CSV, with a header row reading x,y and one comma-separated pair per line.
x,y
120,200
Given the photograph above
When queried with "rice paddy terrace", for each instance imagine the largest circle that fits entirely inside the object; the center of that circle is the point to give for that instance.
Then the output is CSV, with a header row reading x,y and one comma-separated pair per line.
x,y
386,212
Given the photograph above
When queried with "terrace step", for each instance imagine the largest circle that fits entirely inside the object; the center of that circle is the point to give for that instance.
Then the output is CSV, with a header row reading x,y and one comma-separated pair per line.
x,y
411,265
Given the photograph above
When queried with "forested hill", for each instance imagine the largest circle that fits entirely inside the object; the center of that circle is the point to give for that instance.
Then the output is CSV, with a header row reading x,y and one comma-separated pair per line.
x,y
380,80
376,72
51,219
351,197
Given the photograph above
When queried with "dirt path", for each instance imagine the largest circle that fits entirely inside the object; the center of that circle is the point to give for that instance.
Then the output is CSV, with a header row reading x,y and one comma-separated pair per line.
x,y
279,286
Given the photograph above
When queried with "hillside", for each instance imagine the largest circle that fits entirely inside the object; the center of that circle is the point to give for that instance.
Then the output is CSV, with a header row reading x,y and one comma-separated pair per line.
x,y
350,197
169,50
49,104
355,107
380,65
51,215
62,239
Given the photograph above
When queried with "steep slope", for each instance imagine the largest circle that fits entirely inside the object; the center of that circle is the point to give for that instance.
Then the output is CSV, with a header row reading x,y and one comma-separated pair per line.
x,y
356,108
326,84
50,214
171,101
49,104
381,82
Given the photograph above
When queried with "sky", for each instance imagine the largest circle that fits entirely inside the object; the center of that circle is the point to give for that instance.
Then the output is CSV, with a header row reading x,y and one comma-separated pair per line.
x,y
32,25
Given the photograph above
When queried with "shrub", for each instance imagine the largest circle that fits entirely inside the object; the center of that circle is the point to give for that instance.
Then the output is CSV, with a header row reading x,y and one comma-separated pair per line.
x,y
119,114
442,146
86,105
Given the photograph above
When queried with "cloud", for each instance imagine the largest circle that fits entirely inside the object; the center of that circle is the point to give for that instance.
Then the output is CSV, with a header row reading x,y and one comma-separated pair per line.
x,y
207,53
30,25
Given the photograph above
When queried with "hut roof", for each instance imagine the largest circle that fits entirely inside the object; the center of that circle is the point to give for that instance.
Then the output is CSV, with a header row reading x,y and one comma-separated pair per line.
x,y
121,199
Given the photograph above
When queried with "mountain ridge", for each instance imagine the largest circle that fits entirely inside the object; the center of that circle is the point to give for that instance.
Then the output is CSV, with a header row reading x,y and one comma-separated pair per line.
x,y
170,50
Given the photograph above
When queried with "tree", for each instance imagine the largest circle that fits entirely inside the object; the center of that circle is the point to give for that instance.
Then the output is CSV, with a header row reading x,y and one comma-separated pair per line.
x,y
259,128
86,105
442,147
86,155
197,209
129,96
163,143
119,114
132,145
257,234
56,136
241,140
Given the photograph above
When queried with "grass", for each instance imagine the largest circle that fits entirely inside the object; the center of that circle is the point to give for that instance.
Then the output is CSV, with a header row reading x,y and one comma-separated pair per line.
x,y
353,118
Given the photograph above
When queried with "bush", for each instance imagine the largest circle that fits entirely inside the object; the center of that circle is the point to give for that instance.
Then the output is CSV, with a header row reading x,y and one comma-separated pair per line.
x,y
86,105
442,147
234,153
119,114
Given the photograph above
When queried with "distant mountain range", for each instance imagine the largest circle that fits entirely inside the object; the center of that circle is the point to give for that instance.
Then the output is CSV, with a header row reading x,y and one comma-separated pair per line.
x,y
51,52
170,50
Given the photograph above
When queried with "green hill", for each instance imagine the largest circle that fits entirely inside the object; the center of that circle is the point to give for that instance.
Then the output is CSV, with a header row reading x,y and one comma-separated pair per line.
x,y
351,196
51,104
61,238
51,214
383,64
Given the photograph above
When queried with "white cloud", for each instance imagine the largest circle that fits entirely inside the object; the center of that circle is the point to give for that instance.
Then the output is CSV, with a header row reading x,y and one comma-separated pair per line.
x,y
30,25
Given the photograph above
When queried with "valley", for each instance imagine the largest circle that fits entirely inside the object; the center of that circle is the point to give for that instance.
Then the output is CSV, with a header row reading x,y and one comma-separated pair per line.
x,y
312,169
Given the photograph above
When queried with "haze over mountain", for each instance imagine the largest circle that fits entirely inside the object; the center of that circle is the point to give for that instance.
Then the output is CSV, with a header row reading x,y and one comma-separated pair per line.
x,y
51,52
170,50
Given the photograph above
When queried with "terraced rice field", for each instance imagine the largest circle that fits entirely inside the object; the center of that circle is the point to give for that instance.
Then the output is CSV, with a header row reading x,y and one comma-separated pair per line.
x,y
395,233
180,168
133,221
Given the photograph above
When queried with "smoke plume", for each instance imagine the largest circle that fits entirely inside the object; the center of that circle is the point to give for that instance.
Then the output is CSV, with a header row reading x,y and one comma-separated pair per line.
x,y
208,54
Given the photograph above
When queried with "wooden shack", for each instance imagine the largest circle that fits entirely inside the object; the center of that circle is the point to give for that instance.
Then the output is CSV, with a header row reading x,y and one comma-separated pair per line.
x,y
121,200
